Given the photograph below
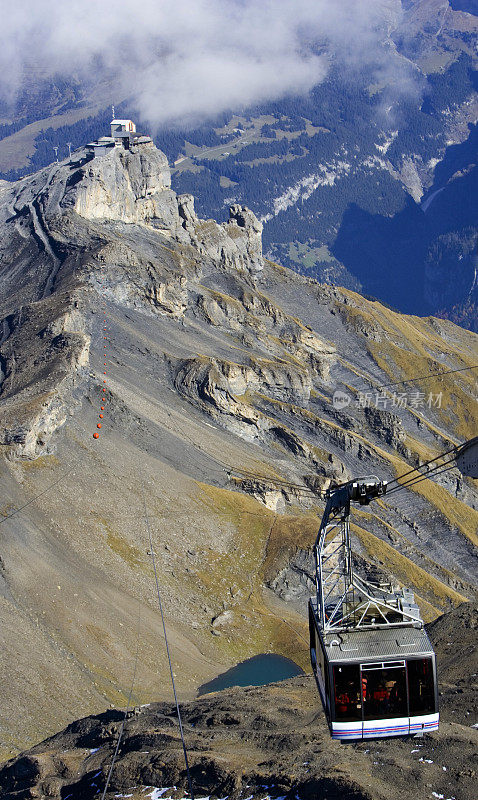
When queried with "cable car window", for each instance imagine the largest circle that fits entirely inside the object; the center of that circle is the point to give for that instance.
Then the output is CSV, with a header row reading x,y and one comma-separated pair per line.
x,y
421,686
348,707
384,693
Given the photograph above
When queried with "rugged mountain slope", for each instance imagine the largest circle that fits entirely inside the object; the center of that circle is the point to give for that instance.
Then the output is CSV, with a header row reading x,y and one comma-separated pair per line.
x,y
216,360
263,742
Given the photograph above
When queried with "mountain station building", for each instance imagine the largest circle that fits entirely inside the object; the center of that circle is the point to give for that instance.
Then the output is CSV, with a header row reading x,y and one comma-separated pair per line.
x,y
123,134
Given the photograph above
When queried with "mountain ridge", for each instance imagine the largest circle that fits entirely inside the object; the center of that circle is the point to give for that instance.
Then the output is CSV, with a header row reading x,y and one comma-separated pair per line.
x,y
358,159
217,360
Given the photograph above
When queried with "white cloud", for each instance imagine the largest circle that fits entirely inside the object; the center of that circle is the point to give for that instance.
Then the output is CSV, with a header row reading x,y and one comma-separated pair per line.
x,y
194,58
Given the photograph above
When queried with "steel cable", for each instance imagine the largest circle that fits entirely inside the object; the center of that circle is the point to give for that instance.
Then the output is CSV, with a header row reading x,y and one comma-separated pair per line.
x,y
417,469
419,478
167,646
37,496
426,377
125,716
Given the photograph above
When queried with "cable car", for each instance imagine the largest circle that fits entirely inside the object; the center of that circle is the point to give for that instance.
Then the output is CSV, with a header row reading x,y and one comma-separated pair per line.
x,y
372,659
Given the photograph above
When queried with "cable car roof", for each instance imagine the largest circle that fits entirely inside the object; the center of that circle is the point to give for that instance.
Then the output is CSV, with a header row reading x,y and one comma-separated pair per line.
x,y
378,645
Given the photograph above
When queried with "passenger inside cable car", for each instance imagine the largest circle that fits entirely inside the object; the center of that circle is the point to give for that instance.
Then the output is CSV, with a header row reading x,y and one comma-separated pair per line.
x,y
348,706
379,691
385,694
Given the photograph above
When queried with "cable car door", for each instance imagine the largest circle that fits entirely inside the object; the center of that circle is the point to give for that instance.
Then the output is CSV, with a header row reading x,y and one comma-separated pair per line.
x,y
384,699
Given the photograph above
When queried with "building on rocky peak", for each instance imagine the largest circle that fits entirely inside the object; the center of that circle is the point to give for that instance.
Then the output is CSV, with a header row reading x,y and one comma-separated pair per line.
x,y
123,134
122,127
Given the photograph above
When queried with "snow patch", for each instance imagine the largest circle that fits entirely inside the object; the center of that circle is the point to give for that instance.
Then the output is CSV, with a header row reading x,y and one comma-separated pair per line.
x,y
382,148
162,794
303,189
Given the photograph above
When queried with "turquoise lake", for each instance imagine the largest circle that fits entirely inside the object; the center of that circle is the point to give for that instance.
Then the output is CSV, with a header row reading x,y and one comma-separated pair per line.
x,y
255,671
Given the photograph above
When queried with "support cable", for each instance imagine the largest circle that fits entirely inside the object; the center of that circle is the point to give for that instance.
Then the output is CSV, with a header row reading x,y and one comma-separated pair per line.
x,y
428,474
128,706
167,646
421,478
417,469
279,482
426,377
37,496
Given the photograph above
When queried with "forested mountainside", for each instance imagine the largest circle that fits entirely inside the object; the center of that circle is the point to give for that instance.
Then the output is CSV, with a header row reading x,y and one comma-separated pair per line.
x,y
369,181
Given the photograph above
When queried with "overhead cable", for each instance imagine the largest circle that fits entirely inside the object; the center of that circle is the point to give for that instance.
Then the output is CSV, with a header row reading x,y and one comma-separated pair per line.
x,y
428,376
128,705
37,496
425,464
439,470
167,645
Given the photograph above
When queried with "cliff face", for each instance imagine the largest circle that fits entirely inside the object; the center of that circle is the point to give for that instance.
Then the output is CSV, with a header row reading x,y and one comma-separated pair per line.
x,y
135,187
217,360
46,240
132,187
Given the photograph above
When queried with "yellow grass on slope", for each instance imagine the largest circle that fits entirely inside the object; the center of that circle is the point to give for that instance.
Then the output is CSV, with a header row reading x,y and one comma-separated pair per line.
x,y
413,347
436,593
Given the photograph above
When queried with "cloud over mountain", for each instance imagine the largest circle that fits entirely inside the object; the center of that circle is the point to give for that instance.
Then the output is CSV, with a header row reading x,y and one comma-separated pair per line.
x,y
192,59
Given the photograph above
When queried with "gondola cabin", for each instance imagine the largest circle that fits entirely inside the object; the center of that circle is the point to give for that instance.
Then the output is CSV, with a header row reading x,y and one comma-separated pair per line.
x,y
372,659
375,683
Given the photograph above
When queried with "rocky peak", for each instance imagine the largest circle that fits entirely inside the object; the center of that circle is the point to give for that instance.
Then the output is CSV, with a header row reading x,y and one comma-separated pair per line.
x,y
236,243
122,185
243,220
187,212
135,187
132,187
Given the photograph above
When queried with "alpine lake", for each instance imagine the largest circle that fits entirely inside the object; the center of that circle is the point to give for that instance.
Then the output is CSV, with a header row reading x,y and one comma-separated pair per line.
x,y
256,671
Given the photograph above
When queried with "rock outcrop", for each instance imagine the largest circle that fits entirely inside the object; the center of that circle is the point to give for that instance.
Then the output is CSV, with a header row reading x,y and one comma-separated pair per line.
x,y
236,244
131,187
135,187
37,392
54,211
